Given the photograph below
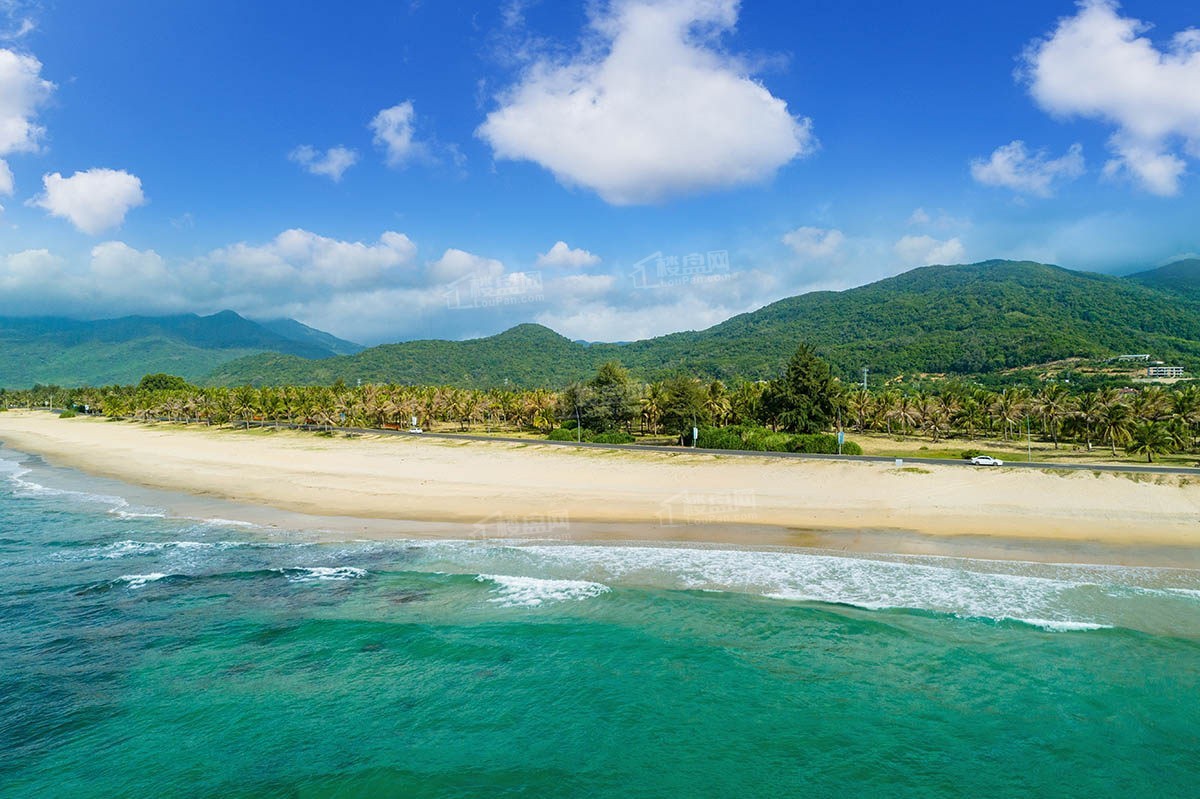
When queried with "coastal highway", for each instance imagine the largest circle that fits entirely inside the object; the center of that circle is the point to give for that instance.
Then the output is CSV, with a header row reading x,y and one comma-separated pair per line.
x,y
1081,467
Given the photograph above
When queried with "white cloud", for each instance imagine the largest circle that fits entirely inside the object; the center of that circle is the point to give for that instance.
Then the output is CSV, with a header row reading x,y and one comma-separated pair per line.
x,y
117,279
455,264
920,217
652,108
393,129
562,255
92,201
1012,166
22,92
600,321
926,250
6,179
301,263
332,164
117,261
27,268
814,242
1097,64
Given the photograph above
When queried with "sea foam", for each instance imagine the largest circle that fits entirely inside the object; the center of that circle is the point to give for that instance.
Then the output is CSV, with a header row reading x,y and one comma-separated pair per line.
x,y
305,574
139,580
514,591
1072,597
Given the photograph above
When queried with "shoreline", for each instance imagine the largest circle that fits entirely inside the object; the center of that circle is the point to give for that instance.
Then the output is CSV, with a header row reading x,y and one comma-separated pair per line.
x,y
395,487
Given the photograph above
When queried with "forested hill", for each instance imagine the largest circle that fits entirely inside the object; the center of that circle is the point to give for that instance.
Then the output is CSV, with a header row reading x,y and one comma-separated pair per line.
x,y
71,352
1181,277
966,319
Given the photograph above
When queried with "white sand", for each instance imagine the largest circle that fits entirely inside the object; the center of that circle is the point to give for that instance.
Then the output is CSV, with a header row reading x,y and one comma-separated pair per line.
x,y
537,490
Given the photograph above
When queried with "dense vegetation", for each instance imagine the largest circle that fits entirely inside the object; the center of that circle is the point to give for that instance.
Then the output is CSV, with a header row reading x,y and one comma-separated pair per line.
x,y
794,412
1181,277
975,319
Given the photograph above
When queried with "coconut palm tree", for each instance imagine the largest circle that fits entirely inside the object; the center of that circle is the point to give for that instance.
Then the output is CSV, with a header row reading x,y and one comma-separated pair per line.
x,y
1053,405
1088,410
1115,423
1008,408
1150,438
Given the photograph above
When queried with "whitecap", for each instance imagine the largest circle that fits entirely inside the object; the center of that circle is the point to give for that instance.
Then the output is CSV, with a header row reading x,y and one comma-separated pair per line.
x,y
139,580
305,574
533,591
1059,625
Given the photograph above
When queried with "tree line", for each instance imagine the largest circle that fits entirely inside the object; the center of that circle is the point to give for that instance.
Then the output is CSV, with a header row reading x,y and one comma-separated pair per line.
x,y
805,399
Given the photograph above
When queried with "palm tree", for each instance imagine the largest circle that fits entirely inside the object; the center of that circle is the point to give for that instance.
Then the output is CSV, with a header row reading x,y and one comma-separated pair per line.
x,y
1115,422
1185,407
1150,404
718,403
861,404
653,403
1008,408
1088,410
1150,439
1053,405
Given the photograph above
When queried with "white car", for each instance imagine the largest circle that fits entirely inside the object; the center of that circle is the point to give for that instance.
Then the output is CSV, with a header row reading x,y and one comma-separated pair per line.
x,y
986,460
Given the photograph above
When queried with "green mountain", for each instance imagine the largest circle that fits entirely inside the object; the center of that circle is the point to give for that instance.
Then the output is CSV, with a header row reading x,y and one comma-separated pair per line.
x,y
70,352
967,319
1181,277
526,355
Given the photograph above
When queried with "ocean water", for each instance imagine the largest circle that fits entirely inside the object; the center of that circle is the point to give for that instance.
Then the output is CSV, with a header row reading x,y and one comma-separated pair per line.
x,y
144,653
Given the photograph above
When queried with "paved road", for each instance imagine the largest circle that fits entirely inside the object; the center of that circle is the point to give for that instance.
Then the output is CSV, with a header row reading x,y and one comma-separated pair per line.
x,y
1082,467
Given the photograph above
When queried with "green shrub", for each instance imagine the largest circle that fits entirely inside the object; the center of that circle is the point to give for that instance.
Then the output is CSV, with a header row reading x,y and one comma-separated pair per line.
x,y
759,439
967,454
564,434
610,438
67,414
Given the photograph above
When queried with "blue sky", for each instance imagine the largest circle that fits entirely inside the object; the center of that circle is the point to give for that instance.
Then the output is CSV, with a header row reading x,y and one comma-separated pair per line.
x,y
402,170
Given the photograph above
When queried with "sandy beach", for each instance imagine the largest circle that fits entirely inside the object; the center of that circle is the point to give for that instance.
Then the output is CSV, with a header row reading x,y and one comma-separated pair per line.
x,y
530,490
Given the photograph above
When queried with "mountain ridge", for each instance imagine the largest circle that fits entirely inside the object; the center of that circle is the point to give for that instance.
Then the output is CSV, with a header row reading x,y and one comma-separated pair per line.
x,y
959,319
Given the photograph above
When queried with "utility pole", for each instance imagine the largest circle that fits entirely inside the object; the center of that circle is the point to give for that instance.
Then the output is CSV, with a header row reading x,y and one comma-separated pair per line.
x,y
1028,438
865,370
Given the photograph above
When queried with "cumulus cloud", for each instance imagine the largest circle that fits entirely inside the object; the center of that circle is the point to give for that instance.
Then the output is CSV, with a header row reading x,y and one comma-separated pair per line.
x,y
561,255
394,134
1012,166
651,107
94,200
24,270
456,264
22,92
116,279
1096,64
926,250
6,178
300,262
814,242
332,163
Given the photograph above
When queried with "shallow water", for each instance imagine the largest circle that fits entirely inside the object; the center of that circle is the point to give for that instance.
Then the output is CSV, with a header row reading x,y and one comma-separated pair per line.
x,y
148,654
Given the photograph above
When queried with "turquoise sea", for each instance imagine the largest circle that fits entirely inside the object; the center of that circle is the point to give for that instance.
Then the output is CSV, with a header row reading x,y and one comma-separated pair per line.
x,y
144,652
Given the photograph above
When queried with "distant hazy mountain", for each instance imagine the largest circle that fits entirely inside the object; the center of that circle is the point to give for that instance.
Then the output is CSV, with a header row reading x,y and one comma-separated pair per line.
x,y
291,329
70,352
965,319
1181,277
